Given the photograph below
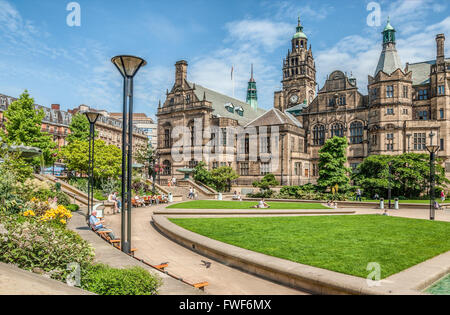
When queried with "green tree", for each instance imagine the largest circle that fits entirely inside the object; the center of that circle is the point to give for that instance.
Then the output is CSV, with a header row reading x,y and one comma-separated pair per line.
x,y
332,169
266,183
108,159
409,175
79,129
202,175
24,126
222,177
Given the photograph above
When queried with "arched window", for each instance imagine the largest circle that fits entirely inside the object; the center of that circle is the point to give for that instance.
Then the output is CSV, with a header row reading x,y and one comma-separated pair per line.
x,y
167,140
337,130
356,132
167,168
319,135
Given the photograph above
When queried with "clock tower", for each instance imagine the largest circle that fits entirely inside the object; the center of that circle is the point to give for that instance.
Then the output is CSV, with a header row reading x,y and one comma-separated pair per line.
x,y
299,74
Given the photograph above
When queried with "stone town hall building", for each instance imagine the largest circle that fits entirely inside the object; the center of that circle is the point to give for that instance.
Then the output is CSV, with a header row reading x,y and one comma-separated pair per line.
x,y
404,106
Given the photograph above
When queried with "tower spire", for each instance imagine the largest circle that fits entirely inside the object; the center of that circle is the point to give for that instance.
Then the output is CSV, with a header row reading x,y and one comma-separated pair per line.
x,y
252,93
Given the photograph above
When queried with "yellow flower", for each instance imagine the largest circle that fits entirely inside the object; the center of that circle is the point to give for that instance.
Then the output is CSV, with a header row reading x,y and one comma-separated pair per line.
x,y
63,221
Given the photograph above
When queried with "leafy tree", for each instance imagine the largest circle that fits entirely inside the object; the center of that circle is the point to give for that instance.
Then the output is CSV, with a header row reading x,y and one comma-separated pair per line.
x,y
108,159
146,156
409,175
24,126
202,175
267,182
79,129
332,169
222,177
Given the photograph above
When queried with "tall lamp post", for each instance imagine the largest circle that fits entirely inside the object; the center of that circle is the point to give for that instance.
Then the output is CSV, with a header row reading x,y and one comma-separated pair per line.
x,y
433,149
92,118
390,184
128,66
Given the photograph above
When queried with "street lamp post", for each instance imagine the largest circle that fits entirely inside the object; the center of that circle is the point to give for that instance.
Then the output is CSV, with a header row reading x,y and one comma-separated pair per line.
x,y
128,66
282,157
92,118
433,149
390,185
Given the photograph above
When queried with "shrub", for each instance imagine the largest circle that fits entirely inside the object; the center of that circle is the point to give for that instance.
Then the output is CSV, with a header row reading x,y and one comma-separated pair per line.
x,y
73,207
29,243
104,280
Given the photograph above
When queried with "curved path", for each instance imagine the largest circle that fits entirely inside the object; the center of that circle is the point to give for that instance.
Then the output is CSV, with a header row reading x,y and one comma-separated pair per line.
x,y
155,248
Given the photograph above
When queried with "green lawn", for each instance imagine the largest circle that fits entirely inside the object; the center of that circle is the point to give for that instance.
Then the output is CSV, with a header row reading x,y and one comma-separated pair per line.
x,y
346,244
237,205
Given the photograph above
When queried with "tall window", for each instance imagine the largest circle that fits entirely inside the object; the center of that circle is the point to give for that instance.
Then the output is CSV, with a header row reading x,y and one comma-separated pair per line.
x,y
264,145
167,142
423,95
441,113
298,169
390,142
319,135
337,130
224,137
441,147
390,91
405,92
356,132
422,115
244,168
167,168
441,90
265,168
420,140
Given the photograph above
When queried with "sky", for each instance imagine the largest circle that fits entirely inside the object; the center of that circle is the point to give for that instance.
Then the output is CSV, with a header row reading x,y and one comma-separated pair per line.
x,y
70,65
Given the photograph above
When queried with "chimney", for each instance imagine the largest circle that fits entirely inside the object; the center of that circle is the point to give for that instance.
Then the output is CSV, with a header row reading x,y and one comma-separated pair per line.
x,y
56,107
181,72
440,41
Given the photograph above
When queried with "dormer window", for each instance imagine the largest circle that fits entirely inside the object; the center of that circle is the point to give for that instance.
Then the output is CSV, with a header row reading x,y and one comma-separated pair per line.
x,y
240,111
188,99
230,107
171,102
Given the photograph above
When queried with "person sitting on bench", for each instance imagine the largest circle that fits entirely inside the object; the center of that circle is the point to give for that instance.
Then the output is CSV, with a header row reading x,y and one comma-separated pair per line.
x,y
98,225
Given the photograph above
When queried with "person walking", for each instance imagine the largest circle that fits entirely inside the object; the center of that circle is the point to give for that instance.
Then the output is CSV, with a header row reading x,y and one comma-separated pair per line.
x,y
174,182
358,195
442,196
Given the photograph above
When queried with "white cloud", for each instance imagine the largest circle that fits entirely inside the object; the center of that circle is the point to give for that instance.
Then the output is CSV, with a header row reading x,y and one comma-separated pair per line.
x,y
257,34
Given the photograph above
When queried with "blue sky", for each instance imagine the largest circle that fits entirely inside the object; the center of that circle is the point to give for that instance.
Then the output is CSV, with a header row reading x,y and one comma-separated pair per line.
x,y
71,65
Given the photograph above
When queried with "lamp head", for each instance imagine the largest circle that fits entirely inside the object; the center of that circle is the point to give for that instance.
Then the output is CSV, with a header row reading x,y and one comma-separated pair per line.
x,y
92,117
128,66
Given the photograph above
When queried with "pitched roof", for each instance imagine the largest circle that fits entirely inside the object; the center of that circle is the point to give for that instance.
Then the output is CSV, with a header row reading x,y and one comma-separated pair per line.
x,y
220,101
421,71
274,117
389,61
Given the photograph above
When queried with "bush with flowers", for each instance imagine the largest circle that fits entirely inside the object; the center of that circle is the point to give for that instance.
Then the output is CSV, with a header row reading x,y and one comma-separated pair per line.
x,y
33,245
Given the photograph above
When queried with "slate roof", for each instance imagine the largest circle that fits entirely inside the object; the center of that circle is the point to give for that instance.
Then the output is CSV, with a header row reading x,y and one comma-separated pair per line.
x,y
389,61
219,101
275,117
421,71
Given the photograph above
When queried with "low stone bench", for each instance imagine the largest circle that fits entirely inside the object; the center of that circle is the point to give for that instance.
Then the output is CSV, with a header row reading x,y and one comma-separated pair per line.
x,y
109,208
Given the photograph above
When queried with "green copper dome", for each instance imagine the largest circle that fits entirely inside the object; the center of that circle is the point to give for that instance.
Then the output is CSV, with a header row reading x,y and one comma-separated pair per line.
x,y
300,33
389,27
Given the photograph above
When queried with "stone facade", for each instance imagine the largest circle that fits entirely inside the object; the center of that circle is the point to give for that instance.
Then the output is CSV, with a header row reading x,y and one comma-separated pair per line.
x,y
406,109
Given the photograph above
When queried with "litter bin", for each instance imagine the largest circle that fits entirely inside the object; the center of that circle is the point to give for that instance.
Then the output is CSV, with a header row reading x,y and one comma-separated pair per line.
x,y
220,197
397,206
382,204
170,197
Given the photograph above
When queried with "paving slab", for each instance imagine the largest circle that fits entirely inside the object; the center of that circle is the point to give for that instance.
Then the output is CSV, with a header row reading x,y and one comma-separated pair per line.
x,y
15,281
107,254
